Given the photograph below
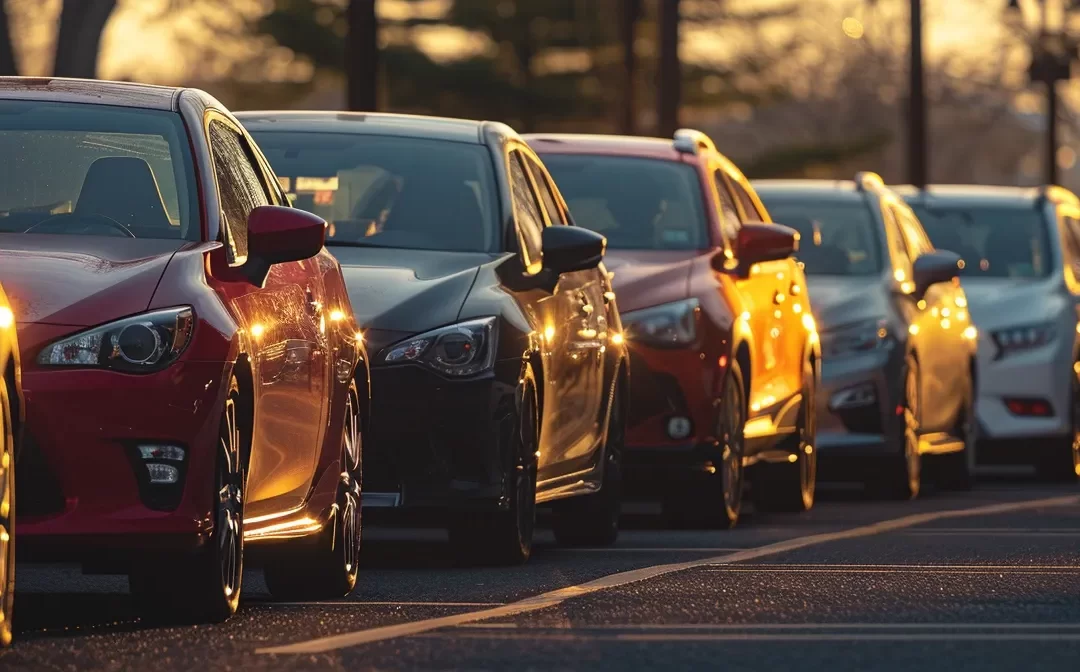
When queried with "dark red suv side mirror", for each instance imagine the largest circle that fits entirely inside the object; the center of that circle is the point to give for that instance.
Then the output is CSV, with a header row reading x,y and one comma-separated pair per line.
x,y
766,242
279,234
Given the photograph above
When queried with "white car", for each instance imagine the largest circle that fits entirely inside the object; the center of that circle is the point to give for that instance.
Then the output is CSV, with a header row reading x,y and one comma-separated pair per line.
x,y
1021,274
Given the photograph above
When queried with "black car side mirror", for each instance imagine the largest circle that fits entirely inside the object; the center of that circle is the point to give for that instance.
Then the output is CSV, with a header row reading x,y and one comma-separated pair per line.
x,y
569,248
932,268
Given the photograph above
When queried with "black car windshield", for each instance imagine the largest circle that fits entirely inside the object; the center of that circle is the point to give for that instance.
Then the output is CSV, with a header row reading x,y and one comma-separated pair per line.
x,y
993,242
414,193
837,238
638,204
79,168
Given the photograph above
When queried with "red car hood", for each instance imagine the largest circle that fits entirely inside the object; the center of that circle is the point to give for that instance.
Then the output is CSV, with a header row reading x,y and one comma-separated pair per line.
x,y
646,278
80,281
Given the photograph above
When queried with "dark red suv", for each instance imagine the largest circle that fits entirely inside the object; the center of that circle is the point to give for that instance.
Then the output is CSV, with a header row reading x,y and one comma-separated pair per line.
x,y
724,351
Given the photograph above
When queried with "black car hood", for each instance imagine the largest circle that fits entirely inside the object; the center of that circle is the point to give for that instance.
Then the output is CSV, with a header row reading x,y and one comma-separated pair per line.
x,y
838,301
403,292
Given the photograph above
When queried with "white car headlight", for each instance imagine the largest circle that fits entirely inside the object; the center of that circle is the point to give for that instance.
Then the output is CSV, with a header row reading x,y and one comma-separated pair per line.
x,y
1026,337
862,337
139,344
458,350
671,325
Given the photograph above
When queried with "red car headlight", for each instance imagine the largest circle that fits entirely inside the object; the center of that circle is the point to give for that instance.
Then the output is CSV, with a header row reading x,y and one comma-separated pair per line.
x,y
139,344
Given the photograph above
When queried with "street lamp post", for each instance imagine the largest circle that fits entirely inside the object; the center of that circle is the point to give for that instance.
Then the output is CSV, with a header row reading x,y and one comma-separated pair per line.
x,y
1053,51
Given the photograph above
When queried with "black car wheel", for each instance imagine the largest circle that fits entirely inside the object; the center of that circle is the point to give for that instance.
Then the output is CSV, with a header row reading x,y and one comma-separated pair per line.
x,y
790,486
505,537
206,588
901,475
593,520
714,499
327,565
7,514
1060,463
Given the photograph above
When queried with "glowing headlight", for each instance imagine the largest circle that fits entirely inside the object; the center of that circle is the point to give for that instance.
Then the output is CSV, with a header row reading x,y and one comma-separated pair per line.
x,y
139,344
667,325
464,349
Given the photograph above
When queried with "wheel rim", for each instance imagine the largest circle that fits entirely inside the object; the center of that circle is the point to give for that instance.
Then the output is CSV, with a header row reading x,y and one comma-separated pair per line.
x,y
351,535
911,430
7,516
352,430
731,438
230,504
808,454
525,485
1076,423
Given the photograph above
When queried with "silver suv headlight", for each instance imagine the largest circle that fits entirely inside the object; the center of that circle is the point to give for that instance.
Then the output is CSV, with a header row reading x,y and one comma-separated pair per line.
x,y
1016,339
670,325
142,343
458,350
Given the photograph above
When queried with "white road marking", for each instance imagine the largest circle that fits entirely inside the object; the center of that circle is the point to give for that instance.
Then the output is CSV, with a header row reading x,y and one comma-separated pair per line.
x,y
357,603
555,597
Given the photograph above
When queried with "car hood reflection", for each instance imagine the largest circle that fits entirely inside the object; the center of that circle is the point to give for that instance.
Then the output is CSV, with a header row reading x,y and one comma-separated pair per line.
x,y
81,281
843,300
407,291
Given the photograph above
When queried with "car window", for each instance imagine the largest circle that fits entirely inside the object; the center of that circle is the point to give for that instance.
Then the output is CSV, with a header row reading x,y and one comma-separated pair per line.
x,y
752,214
544,188
729,214
918,243
901,254
993,242
79,168
375,191
240,185
530,223
636,203
836,238
1070,235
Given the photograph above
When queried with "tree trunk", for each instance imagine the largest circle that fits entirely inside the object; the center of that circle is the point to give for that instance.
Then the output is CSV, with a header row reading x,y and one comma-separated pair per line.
x,y
8,66
362,56
78,41
631,12
670,71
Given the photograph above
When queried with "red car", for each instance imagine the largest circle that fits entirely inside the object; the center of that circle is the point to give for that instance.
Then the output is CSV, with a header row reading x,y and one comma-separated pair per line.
x,y
725,357
11,420
194,378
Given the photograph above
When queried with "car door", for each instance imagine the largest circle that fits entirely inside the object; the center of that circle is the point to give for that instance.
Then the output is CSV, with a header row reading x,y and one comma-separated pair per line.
x,y
281,318
588,321
760,290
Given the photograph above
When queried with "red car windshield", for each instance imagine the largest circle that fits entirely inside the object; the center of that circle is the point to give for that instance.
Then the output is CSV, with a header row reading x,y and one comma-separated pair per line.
x,y
637,203
82,169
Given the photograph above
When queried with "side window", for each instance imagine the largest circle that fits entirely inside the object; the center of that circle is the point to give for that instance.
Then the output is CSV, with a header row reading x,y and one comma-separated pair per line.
x,y
729,214
752,214
240,186
543,185
918,243
898,249
530,223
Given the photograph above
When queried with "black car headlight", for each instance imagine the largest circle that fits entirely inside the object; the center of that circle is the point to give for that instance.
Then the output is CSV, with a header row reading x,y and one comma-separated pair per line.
x,y
458,350
672,325
139,344
857,338
1026,337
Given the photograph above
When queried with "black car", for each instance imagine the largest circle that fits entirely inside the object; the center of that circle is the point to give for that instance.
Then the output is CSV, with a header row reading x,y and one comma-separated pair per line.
x,y
897,341
500,378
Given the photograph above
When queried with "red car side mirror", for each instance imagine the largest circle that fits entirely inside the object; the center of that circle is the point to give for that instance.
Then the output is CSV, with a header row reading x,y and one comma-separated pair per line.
x,y
766,242
279,234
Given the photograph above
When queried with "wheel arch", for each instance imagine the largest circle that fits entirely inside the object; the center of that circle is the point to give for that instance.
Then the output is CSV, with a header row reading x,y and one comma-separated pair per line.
x,y
242,370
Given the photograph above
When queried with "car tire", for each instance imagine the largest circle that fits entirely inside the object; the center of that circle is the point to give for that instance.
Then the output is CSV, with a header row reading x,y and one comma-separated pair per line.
x,y
900,477
1060,460
713,500
327,566
593,520
505,536
7,513
789,487
205,588
956,471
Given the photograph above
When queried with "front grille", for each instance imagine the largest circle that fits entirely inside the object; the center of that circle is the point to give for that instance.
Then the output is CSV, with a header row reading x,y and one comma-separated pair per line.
x,y
37,489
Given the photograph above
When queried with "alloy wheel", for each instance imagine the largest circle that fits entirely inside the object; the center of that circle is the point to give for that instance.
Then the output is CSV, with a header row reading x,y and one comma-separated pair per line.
x,y
7,517
731,446
807,457
230,505
525,470
911,430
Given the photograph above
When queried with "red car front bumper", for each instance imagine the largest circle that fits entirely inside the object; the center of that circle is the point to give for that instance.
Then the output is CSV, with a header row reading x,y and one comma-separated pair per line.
x,y
82,486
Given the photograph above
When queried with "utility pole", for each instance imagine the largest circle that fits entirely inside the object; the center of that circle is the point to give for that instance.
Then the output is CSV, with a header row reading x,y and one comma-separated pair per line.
x,y
630,13
670,71
917,149
362,56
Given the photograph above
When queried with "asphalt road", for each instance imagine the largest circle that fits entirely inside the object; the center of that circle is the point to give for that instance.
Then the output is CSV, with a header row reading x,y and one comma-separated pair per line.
x,y
986,580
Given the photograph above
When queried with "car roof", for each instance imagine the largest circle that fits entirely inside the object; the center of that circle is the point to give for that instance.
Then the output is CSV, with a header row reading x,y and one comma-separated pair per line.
x,y
611,145
98,92
370,123
808,190
969,195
